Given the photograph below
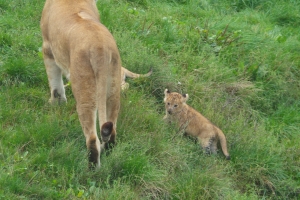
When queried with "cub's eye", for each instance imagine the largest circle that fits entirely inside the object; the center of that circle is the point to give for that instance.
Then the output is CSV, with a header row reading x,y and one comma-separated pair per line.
x,y
175,106
168,104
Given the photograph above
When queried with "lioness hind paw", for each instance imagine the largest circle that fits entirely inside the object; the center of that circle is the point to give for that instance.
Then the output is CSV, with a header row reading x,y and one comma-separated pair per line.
x,y
106,131
93,155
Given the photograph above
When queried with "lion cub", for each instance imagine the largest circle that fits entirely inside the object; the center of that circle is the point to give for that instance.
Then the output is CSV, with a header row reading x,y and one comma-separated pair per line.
x,y
193,123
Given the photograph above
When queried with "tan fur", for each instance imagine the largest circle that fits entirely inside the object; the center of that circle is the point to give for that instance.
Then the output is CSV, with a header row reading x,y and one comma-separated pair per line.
x,y
126,73
193,123
77,45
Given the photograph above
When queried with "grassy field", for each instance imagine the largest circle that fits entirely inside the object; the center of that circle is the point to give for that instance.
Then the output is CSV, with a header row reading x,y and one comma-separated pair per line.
x,y
239,61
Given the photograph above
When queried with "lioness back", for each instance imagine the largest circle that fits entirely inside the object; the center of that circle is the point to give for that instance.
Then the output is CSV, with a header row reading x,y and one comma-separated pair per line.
x,y
77,45
193,123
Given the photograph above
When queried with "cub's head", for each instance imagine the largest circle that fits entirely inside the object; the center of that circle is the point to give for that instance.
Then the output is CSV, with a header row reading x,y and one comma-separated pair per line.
x,y
174,101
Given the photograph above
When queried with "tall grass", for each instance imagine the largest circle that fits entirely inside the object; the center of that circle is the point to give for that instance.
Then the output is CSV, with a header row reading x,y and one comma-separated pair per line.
x,y
239,62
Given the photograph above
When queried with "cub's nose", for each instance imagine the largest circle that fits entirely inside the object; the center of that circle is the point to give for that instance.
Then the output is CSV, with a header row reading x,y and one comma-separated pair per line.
x,y
169,111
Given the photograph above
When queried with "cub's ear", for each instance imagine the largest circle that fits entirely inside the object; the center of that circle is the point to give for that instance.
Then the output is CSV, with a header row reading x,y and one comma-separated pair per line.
x,y
185,97
167,92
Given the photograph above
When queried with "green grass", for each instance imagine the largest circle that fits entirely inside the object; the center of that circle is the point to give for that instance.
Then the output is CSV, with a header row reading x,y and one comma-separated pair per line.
x,y
239,61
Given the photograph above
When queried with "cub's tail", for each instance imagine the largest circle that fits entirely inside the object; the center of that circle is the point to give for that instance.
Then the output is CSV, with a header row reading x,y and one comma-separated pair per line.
x,y
130,74
223,143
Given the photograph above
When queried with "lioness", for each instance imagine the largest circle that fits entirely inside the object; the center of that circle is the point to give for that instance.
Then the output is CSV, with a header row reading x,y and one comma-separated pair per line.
x,y
77,45
193,123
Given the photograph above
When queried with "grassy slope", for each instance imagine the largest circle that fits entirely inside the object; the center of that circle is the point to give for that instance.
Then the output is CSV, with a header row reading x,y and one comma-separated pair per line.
x,y
245,79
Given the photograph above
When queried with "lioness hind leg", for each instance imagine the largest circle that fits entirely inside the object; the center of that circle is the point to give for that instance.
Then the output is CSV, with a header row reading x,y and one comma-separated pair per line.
x,y
87,118
54,74
113,107
84,92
